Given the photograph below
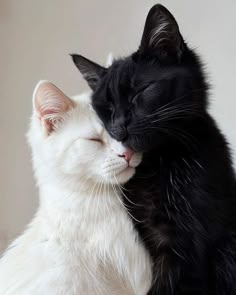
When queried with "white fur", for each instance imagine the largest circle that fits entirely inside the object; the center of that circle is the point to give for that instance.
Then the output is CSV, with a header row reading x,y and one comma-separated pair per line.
x,y
81,240
110,59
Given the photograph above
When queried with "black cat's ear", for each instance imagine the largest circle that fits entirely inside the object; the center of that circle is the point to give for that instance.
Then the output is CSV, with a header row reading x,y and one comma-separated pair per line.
x,y
91,71
161,33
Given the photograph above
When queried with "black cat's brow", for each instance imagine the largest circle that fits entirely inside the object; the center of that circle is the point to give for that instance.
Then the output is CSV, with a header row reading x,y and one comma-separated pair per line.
x,y
141,89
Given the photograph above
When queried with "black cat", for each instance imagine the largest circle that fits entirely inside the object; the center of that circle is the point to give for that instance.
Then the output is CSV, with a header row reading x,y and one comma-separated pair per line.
x,y
183,197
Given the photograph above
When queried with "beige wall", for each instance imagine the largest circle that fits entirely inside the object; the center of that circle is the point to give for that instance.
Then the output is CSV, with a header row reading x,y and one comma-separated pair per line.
x,y
35,39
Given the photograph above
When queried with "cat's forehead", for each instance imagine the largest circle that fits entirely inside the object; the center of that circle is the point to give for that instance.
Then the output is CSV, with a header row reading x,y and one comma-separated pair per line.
x,y
126,75
119,80
121,72
84,118
97,124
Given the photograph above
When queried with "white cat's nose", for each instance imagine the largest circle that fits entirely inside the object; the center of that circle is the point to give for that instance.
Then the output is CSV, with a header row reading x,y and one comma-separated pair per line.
x,y
127,154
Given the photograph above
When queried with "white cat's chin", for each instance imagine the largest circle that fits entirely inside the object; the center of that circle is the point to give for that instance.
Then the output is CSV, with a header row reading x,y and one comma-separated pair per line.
x,y
121,177
125,175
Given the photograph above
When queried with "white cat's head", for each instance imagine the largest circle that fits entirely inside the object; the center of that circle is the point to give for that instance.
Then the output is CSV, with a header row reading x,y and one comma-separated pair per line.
x,y
69,144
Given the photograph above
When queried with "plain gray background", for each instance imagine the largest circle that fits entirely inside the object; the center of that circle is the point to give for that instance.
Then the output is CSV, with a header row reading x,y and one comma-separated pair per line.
x,y
36,38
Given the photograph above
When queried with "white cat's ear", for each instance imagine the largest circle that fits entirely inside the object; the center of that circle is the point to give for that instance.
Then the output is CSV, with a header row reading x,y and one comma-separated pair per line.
x,y
110,59
50,104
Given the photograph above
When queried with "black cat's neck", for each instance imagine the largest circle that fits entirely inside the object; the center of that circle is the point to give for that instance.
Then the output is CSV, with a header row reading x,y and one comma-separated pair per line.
x,y
183,206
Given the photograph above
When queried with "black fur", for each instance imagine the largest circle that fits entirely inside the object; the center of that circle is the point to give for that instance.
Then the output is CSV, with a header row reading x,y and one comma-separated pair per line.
x,y
183,196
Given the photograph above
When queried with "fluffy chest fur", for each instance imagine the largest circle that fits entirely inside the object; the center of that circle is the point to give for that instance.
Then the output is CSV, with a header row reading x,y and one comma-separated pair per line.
x,y
86,247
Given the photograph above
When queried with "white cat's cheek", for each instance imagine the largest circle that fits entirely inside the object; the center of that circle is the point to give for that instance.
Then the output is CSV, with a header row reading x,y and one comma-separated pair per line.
x,y
70,166
116,171
75,159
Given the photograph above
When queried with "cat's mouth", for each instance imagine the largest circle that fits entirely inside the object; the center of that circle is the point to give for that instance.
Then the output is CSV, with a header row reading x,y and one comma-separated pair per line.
x,y
127,172
123,168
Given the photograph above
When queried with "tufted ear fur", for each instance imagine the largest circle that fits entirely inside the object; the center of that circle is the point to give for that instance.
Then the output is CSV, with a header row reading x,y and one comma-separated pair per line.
x,y
161,34
50,105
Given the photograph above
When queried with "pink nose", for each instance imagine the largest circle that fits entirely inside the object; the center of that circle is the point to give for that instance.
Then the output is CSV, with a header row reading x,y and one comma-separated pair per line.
x,y
127,155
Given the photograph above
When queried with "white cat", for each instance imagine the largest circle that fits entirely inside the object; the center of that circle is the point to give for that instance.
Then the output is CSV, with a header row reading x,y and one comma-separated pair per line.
x,y
81,240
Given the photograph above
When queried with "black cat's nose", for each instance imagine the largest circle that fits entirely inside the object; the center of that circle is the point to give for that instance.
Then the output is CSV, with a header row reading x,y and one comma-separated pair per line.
x,y
120,133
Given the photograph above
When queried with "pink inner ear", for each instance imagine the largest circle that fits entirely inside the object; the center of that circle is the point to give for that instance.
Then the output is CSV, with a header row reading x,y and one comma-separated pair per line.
x,y
50,119
51,104
49,126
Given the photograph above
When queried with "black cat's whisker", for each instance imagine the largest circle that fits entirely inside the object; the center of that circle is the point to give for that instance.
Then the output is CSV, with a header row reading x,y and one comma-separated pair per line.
x,y
124,195
185,139
187,135
123,205
181,111
146,118
162,110
173,116
191,107
174,100
192,141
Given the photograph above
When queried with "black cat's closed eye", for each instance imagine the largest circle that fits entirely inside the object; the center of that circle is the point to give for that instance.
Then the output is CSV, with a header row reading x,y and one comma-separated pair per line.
x,y
140,91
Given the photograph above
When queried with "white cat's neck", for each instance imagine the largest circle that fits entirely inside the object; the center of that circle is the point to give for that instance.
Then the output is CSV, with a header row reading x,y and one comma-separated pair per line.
x,y
67,212
66,198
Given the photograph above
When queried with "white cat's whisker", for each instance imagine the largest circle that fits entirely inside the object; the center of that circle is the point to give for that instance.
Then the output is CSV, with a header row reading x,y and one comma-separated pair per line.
x,y
117,195
108,201
124,195
90,200
96,202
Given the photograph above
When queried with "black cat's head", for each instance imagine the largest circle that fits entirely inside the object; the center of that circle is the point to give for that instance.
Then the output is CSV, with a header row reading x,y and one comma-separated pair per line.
x,y
144,99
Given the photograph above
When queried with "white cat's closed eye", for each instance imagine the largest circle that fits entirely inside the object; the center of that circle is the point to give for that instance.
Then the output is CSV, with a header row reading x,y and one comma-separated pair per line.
x,y
96,140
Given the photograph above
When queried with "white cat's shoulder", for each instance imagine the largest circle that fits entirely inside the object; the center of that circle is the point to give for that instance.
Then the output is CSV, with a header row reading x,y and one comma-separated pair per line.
x,y
39,264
